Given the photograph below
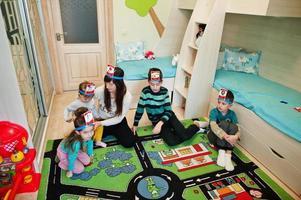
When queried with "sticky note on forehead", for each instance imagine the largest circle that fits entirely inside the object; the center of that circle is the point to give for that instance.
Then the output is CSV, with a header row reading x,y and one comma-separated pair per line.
x,y
222,93
110,70
88,117
90,89
155,76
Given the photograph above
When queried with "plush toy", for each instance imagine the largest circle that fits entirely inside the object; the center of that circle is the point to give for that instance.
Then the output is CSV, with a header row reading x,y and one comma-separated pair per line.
x,y
149,55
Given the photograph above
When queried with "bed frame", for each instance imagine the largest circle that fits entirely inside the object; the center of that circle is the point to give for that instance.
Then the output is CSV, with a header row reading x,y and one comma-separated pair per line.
x,y
278,152
135,87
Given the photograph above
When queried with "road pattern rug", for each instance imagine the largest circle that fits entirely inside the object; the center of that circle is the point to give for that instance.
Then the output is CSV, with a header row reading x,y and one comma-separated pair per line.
x,y
153,170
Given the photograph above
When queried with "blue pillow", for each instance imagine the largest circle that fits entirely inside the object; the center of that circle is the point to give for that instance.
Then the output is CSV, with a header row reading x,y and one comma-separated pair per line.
x,y
241,61
129,51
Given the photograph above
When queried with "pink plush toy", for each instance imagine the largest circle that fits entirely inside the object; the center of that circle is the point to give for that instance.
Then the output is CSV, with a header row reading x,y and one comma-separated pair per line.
x,y
149,55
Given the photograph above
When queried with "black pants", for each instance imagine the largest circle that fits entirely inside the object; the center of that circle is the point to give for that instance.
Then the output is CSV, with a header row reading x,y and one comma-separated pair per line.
x,y
173,132
122,132
229,128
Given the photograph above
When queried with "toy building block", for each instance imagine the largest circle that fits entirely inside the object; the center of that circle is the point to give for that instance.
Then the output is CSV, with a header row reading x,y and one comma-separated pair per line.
x,y
183,153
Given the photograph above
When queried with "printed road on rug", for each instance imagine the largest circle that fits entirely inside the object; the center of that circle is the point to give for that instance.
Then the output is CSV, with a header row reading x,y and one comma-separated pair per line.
x,y
153,170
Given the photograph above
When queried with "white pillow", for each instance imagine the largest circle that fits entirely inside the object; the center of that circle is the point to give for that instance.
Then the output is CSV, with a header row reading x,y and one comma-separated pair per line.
x,y
129,51
221,54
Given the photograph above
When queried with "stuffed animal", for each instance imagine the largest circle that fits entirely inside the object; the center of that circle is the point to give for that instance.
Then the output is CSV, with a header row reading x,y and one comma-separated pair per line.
x,y
149,55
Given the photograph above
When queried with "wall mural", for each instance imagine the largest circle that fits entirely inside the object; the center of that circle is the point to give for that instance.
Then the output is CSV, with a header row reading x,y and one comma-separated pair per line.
x,y
142,8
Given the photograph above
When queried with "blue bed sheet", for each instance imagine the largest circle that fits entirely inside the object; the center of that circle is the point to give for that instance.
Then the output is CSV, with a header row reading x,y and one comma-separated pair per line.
x,y
138,69
271,101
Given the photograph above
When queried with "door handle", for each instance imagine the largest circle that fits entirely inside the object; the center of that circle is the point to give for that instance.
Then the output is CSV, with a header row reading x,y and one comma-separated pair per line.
x,y
59,36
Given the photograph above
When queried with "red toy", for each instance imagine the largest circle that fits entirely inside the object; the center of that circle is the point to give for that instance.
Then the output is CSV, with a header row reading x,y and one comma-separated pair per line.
x,y
149,55
17,173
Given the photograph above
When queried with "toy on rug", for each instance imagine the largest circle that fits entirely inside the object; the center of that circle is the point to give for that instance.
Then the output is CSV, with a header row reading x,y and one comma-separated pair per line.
x,y
187,157
17,172
192,163
149,55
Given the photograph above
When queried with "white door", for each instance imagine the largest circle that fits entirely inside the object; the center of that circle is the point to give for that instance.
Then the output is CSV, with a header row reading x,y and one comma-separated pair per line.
x,y
80,39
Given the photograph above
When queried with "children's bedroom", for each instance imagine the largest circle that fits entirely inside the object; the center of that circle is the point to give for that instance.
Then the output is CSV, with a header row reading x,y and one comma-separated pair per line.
x,y
150,99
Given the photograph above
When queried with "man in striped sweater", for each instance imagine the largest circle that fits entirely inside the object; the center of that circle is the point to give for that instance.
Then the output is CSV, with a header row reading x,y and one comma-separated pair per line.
x,y
155,100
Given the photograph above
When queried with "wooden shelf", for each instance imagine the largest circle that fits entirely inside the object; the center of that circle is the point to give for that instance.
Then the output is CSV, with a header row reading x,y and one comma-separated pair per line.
x,y
183,91
201,21
192,45
186,8
186,4
188,69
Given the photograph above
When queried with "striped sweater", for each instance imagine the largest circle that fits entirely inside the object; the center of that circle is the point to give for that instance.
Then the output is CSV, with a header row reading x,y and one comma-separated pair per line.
x,y
157,105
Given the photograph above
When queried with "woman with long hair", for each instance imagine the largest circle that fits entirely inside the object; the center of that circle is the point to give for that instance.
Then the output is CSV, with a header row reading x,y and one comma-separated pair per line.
x,y
114,103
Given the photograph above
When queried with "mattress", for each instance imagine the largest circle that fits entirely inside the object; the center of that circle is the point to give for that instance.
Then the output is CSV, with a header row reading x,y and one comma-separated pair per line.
x,y
138,69
271,101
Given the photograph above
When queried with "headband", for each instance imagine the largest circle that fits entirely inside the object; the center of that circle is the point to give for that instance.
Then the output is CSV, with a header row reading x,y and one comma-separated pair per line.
x,y
89,121
111,71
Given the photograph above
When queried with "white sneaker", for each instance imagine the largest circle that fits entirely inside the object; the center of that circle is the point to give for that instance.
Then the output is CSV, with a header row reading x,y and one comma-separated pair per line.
x,y
228,162
221,158
100,144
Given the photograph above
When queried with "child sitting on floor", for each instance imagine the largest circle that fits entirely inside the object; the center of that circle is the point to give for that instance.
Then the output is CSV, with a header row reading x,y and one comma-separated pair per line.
x,y
224,132
155,100
85,99
86,92
76,150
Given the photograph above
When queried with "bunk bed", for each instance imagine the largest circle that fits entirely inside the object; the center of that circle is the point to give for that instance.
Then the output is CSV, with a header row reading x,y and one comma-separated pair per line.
x,y
270,125
268,112
264,25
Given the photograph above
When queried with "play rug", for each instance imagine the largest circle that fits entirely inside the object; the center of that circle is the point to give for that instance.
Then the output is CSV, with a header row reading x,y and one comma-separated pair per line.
x,y
152,170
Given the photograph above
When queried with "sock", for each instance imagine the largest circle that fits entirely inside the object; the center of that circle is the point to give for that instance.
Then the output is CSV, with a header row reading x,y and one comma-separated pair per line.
x,y
228,162
221,158
201,124
100,144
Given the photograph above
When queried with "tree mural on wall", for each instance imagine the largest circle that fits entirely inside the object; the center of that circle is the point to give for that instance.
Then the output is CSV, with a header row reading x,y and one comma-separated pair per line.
x,y
143,7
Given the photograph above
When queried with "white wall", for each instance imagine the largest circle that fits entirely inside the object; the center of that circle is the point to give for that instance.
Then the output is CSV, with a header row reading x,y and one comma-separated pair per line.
x,y
129,26
11,104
